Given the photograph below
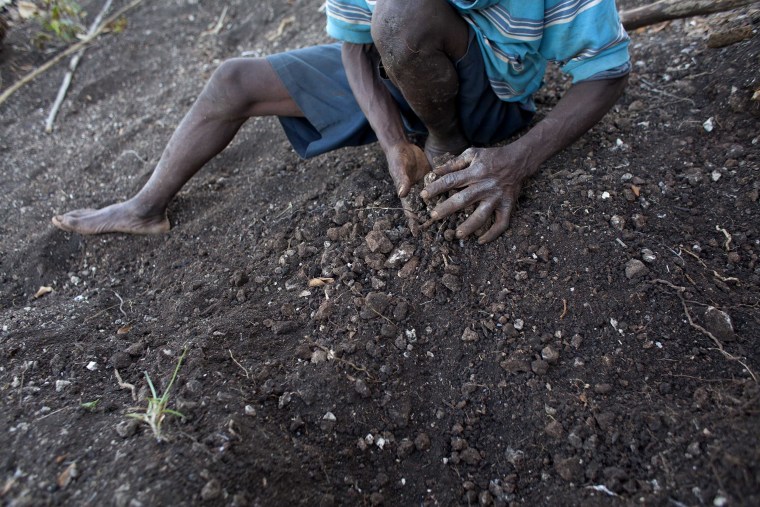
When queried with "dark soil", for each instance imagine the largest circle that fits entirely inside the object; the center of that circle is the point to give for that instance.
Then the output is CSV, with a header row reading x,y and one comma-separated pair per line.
x,y
583,358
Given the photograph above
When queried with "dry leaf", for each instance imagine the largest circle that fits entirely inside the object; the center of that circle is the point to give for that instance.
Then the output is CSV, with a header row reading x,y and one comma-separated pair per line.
x,y
70,473
42,291
27,10
320,282
636,190
124,329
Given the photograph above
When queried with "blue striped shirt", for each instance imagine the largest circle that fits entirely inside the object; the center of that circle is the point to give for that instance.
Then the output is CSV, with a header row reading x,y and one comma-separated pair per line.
x,y
519,37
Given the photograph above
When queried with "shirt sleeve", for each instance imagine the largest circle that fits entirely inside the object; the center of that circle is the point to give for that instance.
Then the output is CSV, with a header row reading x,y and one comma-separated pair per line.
x,y
349,21
587,38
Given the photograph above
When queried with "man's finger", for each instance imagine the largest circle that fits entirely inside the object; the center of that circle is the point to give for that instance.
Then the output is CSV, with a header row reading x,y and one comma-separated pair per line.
x,y
456,163
445,183
500,224
475,221
456,202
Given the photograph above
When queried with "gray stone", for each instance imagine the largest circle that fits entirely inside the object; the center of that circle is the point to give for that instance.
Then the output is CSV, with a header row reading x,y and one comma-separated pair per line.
x,y
719,324
377,241
635,268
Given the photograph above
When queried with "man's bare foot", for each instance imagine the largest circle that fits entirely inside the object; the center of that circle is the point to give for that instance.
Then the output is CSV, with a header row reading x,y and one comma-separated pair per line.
x,y
119,217
439,152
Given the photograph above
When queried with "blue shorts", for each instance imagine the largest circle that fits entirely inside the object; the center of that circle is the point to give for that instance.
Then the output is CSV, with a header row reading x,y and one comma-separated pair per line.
x,y
316,80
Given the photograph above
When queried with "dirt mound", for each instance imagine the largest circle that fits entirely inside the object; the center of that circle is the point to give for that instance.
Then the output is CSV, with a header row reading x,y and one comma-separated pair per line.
x,y
604,350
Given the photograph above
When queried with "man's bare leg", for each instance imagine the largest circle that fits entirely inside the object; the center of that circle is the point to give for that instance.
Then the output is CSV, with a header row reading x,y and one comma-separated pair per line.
x,y
419,41
239,89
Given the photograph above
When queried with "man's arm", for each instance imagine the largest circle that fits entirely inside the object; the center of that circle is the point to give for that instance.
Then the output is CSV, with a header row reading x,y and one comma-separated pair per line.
x,y
406,162
492,177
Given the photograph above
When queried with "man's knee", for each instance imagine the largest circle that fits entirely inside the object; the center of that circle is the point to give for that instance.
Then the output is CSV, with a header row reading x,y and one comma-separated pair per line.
x,y
232,83
407,31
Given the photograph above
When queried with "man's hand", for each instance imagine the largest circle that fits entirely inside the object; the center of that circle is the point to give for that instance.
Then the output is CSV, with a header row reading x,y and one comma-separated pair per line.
x,y
491,178
407,164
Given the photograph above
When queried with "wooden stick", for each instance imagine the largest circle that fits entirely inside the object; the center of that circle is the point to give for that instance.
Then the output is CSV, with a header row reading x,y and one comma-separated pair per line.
x,y
665,10
72,68
68,51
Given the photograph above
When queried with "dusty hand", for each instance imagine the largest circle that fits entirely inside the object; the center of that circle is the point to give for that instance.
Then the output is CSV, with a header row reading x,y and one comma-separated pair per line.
x,y
490,177
408,165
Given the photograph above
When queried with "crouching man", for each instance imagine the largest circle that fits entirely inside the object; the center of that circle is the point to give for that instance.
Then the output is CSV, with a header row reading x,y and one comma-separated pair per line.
x,y
460,72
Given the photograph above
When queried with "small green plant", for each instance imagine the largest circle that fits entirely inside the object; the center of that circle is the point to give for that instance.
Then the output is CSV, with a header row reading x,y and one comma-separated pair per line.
x,y
157,410
60,19
90,405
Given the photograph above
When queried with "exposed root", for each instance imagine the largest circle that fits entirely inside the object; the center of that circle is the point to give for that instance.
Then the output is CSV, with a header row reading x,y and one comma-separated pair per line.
x,y
125,385
718,345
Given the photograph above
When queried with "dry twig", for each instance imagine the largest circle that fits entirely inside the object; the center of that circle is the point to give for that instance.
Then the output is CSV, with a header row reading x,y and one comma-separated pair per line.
x,y
125,385
68,51
73,67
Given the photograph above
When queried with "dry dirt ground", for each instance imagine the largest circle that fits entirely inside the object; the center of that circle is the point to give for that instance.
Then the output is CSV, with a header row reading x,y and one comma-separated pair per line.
x,y
585,358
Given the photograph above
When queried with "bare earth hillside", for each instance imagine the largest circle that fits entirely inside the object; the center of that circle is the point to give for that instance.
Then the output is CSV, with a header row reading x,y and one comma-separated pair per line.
x,y
604,351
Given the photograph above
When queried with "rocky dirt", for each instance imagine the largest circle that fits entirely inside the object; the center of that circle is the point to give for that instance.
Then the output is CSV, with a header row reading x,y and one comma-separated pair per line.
x,y
604,351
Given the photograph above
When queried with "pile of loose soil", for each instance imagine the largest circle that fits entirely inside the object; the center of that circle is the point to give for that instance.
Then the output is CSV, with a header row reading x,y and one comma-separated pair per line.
x,y
604,350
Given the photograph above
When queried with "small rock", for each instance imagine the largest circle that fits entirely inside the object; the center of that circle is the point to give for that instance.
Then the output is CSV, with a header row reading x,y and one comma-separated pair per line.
x,y
284,327
519,324
127,428
451,282
521,276
405,448
400,255
120,360
570,469
401,311
422,442
376,499
719,324
318,356
635,268
543,253
377,241
648,256
517,362
375,261
211,490
539,367
458,444
324,311
377,303
617,222
471,456
428,289
469,335
60,385
603,388
362,388
639,221
136,349
238,279
409,268
550,354
554,429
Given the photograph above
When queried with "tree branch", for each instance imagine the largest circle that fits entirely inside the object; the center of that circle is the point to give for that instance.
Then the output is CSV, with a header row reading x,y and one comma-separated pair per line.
x,y
665,10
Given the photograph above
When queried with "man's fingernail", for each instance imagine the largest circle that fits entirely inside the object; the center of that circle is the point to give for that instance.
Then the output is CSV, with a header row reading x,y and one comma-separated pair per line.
x,y
460,234
424,194
434,215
